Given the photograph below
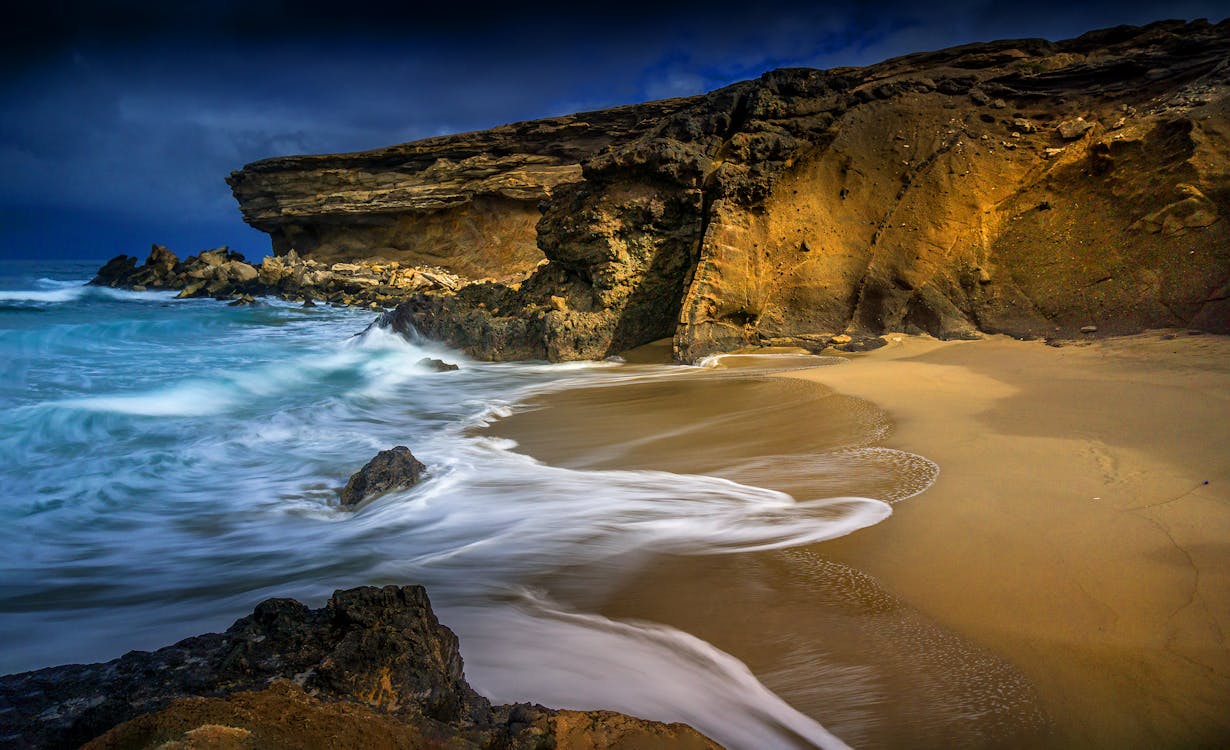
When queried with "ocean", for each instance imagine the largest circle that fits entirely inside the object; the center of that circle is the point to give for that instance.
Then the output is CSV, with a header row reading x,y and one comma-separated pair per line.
x,y
167,464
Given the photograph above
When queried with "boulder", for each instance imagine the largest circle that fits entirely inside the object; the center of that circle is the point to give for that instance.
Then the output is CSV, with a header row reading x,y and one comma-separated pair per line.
x,y
372,668
1070,130
115,271
238,272
394,469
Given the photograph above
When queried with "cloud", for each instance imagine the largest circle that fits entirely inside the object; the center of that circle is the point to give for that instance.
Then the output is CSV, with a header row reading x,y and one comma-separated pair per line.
x,y
139,110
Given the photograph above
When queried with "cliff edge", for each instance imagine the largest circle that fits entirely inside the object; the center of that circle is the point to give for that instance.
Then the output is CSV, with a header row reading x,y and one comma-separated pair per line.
x,y
1024,187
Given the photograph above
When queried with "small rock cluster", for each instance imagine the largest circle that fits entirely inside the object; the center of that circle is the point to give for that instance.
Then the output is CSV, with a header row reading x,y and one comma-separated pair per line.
x,y
224,274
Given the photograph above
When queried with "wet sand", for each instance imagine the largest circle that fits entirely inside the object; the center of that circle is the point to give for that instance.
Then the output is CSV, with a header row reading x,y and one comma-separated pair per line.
x,y
1068,562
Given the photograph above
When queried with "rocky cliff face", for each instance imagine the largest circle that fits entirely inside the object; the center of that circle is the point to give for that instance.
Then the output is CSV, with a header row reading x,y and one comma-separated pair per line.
x,y
466,202
372,669
1025,187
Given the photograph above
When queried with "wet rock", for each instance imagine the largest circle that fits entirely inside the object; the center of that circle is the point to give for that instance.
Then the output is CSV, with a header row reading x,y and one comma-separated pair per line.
x,y
437,365
1089,329
115,271
389,470
372,668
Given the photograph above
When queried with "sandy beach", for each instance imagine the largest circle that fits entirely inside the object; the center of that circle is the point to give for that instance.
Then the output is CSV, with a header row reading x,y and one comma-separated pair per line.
x,y
1063,583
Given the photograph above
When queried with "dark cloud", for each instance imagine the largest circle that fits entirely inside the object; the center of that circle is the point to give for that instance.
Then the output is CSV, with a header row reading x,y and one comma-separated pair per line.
x,y
122,119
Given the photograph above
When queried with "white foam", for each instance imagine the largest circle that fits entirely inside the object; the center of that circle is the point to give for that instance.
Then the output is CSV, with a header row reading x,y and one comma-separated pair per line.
x,y
75,292
537,652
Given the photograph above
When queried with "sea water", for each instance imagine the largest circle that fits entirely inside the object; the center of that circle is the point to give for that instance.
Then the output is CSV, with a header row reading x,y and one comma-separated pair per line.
x,y
166,464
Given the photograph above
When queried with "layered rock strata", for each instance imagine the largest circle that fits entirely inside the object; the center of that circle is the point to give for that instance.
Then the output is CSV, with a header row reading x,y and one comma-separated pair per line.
x,y
468,203
372,668
1024,187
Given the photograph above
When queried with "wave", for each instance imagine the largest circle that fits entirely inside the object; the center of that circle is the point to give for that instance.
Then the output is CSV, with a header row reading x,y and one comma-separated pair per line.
x,y
74,292
533,650
372,364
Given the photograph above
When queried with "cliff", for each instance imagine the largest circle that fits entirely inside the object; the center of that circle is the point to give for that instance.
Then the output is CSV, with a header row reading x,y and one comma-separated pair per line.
x,y
1024,187
373,668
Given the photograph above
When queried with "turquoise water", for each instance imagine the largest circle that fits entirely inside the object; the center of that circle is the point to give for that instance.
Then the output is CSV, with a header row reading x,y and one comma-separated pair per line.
x,y
166,464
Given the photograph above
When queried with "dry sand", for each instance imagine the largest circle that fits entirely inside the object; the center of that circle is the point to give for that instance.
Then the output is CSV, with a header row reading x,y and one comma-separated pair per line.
x,y
1080,525
1070,538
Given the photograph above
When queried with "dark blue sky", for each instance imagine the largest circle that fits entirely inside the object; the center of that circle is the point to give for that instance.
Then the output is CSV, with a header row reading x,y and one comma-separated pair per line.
x,y
121,120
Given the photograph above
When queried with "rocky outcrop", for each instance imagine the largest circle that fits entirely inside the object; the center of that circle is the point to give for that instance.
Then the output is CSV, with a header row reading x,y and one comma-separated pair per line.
x,y
223,274
372,668
1024,187
467,203
394,469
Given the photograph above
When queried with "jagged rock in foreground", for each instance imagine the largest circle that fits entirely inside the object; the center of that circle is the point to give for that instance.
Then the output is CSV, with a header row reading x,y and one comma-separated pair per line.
x,y
372,668
1024,187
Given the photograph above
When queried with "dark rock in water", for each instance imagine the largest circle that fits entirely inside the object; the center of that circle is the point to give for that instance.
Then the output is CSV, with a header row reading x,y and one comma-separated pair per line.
x,y
115,271
438,365
372,663
390,470
243,300
307,302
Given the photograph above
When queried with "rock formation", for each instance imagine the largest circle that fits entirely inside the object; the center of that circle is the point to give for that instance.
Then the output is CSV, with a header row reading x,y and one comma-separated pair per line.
x,y
223,274
1026,187
466,202
394,469
372,668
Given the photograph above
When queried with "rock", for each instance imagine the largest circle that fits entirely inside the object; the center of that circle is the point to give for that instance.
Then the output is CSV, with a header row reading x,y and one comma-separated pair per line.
x,y
190,290
389,470
307,302
372,668
1072,129
1192,210
1021,125
161,260
244,300
238,272
1089,329
437,365
272,270
686,218
115,271
841,339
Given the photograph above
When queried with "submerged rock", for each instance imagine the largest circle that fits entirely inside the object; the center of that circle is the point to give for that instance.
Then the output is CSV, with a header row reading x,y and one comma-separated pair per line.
x,y
394,469
372,668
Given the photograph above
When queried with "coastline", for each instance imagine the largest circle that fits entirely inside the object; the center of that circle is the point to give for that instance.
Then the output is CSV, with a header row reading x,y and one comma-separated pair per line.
x,y
1114,609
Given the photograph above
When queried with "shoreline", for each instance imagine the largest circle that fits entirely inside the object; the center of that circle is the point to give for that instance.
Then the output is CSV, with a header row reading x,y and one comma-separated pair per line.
x,y
1071,528
1113,608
